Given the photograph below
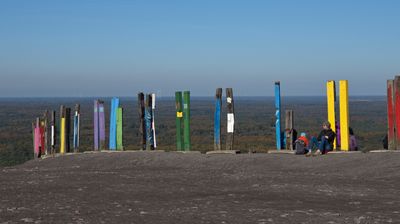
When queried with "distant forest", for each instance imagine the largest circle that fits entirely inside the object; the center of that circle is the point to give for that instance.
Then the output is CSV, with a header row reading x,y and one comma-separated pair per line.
x,y
254,122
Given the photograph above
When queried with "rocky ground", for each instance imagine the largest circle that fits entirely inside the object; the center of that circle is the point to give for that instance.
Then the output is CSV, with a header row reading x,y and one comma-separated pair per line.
x,y
157,187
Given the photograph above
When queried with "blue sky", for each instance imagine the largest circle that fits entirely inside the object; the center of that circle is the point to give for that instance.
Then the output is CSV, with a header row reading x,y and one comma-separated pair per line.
x,y
117,48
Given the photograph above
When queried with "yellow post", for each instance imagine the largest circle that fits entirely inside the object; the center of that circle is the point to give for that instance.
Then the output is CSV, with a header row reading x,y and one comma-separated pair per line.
x,y
344,114
62,136
331,98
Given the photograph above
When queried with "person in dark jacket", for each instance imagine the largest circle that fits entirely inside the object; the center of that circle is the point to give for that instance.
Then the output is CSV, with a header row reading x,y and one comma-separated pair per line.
x,y
325,139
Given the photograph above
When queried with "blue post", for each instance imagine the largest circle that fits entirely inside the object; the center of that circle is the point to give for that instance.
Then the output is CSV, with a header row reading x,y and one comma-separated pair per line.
x,y
113,123
278,115
217,119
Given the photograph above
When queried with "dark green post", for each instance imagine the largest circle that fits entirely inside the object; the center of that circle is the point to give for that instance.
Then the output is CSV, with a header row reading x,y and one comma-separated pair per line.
x,y
179,117
186,120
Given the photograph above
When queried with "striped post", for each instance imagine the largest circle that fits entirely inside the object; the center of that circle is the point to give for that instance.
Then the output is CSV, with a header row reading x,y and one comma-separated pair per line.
x,y
179,121
278,115
119,129
230,119
153,112
76,128
331,99
391,115
53,132
344,115
186,121
217,119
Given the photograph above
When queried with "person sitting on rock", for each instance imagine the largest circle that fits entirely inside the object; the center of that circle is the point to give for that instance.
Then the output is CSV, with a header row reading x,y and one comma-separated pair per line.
x,y
325,140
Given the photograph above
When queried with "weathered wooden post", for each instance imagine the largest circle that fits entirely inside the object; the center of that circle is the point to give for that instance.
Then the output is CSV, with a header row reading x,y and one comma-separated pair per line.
x,y
391,115
53,132
186,121
62,129
179,120
344,115
397,110
119,129
148,120
76,128
67,129
230,119
289,123
331,99
153,113
46,147
102,125
142,124
278,115
217,119
113,123
37,138
96,133
34,138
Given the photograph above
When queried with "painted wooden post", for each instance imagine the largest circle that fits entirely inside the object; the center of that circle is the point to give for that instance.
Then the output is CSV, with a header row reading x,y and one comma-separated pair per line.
x,y
391,115
397,110
344,115
67,129
34,139
153,124
331,99
142,125
186,121
102,125
113,123
96,133
217,119
62,129
148,120
53,132
179,121
289,123
37,138
278,115
76,128
230,119
42,137
46,147
119,129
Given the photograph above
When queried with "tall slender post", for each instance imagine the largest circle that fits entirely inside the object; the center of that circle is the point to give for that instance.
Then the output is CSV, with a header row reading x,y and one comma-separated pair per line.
x,y
102,125
331,99
217,119
397,110
148,120
344,115
391,115
37,138
179,121
34,139
113,123
62,129
289,123
119,129
53,132
76,128
153,113
142,124
278,115
230,119
67,129
186,121
96,133
46,147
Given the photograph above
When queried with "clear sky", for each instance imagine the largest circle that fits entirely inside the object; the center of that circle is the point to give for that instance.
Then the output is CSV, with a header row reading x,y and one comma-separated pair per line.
x,y
117,48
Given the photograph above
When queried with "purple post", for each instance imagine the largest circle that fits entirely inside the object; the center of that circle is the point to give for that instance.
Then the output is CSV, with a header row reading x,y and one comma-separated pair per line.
x,y
96,125
102,126
337,134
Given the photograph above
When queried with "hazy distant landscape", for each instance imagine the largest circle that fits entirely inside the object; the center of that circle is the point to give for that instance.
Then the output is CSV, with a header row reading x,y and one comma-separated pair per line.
x,y
254,122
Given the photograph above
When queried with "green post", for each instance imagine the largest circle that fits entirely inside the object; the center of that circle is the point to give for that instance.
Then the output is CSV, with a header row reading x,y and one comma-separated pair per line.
x,y
186,120
119,129
179,117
